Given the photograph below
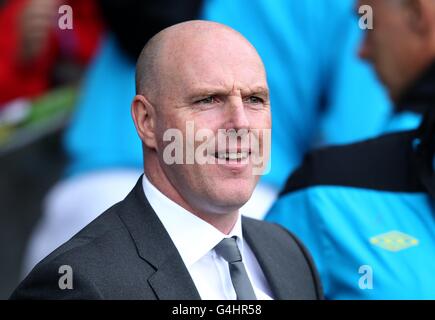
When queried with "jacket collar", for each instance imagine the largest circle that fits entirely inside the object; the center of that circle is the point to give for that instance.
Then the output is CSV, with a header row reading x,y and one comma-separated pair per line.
x,y
171,279
424,151
420,95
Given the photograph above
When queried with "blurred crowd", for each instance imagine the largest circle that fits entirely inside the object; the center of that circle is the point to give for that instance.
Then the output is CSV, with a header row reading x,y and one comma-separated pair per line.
x,y
81,82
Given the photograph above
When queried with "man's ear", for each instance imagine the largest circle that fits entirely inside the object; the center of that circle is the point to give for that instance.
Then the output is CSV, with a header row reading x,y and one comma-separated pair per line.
x,y
420,16
144,114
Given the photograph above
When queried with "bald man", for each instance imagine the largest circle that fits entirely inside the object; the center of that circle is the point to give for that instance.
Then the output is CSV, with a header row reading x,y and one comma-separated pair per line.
x,y
202,112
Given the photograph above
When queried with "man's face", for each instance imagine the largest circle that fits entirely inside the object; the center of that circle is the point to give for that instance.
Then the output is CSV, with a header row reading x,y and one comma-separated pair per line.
x,y
217,83
388,46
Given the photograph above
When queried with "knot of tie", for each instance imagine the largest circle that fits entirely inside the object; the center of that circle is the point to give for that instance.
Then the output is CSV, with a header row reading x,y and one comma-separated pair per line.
x,y
229,250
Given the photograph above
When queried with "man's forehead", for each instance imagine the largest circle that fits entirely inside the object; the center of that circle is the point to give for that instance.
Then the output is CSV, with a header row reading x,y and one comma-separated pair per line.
x,y
204,42
204,52
216,69
222,78
205,89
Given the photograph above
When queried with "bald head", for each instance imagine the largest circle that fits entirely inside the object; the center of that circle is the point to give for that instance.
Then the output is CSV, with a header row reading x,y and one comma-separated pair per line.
x,y
183,43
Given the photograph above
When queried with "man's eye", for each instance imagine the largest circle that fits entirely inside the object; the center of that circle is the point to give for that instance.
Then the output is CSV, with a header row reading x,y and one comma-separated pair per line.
x,y
254,100
207,100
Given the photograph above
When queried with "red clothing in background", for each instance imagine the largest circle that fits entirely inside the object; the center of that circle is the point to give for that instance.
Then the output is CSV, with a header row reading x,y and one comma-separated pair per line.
x,y
33,78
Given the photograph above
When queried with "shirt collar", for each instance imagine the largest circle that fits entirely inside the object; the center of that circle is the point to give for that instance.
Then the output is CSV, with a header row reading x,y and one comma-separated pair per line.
x,y
192,236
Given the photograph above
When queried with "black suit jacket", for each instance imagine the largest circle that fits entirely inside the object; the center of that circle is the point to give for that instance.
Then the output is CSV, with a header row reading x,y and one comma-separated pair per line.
x,y
126,253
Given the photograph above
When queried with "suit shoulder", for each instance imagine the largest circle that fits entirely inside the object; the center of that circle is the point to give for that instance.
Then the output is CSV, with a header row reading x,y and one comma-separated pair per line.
x,y
268,229
87,252
274,233
383,163
287,250
105,226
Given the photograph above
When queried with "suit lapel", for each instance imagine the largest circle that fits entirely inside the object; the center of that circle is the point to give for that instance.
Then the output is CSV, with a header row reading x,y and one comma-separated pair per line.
x,y
276,274
171,279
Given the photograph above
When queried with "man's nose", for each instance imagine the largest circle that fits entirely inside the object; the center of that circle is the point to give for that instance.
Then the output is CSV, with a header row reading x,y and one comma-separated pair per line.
x,y
236,114
364,51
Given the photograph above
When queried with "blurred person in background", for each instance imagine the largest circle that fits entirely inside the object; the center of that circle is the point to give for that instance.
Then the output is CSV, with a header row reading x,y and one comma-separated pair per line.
x,y
366,210
46,45
36,54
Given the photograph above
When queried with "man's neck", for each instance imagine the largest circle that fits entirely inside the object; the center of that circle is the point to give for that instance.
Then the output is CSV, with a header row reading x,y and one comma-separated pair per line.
x,y
224,222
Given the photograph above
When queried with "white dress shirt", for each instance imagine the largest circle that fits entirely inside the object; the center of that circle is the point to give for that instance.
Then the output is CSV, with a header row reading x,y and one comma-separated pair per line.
x,y
195,240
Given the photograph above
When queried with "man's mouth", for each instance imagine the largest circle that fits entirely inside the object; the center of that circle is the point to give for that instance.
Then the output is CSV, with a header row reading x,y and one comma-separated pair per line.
x,y
234,156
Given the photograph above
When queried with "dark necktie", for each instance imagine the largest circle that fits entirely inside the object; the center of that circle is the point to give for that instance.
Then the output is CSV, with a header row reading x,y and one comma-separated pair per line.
x,y
229,250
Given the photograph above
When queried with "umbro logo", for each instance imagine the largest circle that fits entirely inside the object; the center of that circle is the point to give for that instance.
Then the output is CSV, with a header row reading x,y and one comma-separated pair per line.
x,y
394,241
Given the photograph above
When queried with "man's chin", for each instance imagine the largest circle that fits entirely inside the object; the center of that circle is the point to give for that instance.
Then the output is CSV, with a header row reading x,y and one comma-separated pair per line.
x,y
232,201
